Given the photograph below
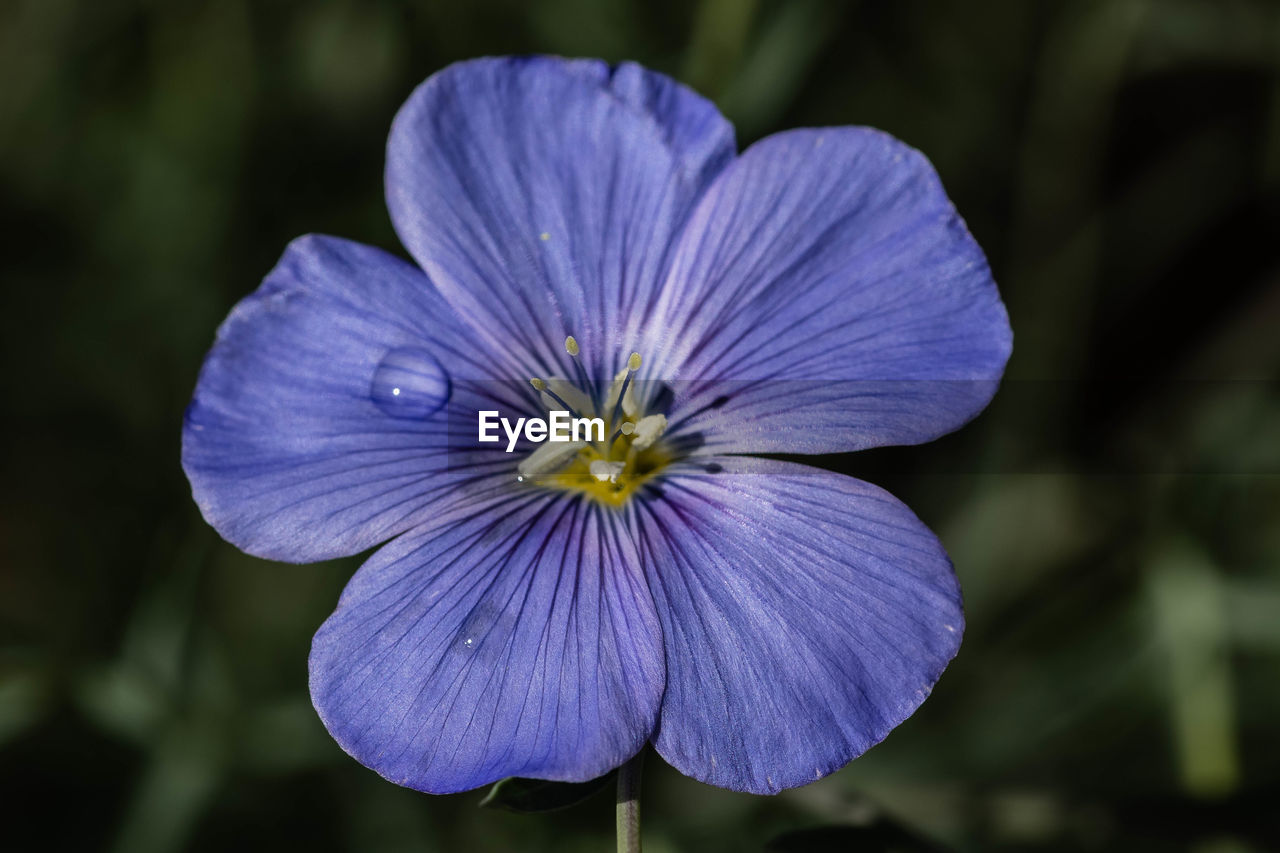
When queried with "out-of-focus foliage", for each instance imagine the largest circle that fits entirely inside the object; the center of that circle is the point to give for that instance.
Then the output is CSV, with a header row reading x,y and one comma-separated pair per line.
x,y
1114,517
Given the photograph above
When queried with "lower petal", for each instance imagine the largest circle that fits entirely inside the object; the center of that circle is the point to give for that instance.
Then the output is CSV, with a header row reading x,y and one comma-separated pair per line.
x,y
805,614
515,637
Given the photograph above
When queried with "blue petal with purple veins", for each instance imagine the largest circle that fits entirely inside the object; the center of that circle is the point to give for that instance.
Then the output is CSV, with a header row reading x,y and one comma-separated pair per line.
x,y
542,197
826,294
295,445
514,636
804,615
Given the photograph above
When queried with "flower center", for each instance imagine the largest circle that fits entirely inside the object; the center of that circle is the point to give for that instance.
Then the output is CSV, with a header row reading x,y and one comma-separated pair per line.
x,y
613,462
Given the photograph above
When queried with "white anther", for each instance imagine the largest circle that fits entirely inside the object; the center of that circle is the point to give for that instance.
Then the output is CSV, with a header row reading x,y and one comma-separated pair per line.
x,y
628,428
548,457
571,345
606,471
648,430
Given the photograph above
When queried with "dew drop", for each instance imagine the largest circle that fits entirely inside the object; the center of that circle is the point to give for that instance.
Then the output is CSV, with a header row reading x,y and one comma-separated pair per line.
x,y
409,383
468,642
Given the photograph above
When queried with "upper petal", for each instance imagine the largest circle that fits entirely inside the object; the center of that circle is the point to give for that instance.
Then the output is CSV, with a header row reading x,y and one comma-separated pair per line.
x,y
804,615
824,297
318,424
542,195
513,637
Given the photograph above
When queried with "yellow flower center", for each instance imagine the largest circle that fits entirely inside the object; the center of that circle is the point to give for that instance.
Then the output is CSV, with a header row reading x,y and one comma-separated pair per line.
x,y
610,468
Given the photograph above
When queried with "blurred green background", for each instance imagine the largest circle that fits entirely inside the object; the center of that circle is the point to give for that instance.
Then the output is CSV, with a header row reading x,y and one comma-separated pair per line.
x,y
1114,516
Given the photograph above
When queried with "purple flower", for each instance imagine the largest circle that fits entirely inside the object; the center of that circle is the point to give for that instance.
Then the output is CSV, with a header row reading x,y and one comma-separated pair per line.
x,y
545,613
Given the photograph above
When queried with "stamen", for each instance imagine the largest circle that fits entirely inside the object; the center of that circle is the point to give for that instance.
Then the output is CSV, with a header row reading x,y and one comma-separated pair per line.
x,y
619,388
607,470
548,457
570,396
571,347
554,392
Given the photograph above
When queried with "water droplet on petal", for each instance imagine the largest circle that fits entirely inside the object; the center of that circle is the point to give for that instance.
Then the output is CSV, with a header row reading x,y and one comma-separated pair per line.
x,y
468,642
409,383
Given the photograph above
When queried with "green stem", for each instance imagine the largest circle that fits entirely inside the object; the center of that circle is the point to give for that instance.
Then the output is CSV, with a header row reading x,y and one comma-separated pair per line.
x,y
628,811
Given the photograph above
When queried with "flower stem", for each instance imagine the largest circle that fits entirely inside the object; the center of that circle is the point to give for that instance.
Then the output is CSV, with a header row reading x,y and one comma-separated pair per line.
x,y
628,810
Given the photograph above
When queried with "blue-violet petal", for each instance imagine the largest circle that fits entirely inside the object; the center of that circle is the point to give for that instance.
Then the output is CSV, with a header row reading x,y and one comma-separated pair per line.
x,y
543,195
804,615
318,427
512,637
826,297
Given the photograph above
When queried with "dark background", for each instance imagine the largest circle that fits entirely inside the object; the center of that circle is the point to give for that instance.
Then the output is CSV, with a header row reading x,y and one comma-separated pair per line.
x,y
1113,516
